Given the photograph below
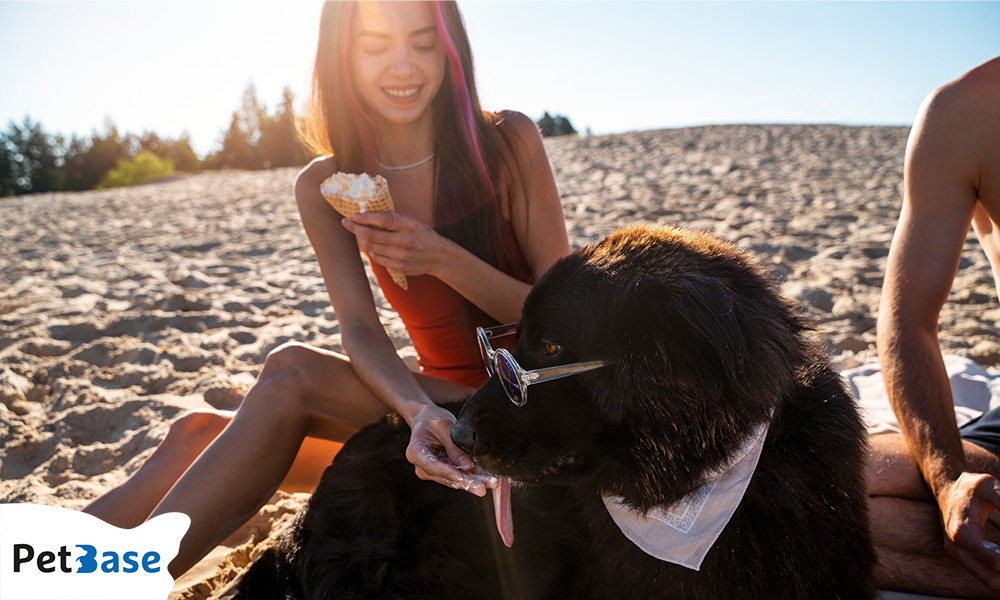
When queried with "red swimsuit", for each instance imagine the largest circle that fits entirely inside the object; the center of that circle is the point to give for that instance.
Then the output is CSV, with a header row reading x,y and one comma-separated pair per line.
x,y
433,315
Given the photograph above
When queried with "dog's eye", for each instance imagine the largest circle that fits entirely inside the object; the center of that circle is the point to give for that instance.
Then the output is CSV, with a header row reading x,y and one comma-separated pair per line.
x,y
552,349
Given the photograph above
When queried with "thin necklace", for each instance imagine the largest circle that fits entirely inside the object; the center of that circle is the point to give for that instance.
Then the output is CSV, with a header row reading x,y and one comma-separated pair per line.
x,y
404,167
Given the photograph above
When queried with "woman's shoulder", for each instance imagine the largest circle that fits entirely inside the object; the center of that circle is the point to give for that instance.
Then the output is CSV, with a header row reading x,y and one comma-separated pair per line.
x,y
521,134
515,122
313,174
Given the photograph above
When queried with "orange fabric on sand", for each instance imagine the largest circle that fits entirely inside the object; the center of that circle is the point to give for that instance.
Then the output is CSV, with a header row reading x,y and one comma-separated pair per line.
x,y
443,338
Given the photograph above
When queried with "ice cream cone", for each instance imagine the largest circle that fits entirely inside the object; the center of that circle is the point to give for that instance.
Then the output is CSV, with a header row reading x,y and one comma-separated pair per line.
x,y
349,195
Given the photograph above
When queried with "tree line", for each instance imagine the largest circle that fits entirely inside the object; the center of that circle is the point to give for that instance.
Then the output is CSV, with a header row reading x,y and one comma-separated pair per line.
x,y
550,125
34,160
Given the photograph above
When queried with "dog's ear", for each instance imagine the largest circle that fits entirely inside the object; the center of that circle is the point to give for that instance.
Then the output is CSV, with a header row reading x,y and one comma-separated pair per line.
x,y
684,333
711,311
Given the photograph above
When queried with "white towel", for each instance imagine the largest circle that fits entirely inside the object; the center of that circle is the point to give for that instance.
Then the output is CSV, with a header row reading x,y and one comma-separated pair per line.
x,y
974,390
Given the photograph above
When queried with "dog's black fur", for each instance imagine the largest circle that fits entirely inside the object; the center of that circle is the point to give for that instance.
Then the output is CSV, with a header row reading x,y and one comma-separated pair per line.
x,y
702,350
373,530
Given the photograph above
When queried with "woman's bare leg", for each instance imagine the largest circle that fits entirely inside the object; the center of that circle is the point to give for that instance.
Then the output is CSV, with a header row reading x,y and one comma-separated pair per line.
x,y
131,503
301,390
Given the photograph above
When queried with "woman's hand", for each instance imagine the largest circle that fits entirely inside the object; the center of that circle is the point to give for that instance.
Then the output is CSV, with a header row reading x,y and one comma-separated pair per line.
x,y
398,242
966,506
437,458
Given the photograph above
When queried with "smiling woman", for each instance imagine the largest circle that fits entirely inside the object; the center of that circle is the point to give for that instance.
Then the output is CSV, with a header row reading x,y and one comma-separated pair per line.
x,y
476,219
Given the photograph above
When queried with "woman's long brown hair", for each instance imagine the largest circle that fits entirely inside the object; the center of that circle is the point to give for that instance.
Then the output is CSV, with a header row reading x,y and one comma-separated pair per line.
x,y
475,152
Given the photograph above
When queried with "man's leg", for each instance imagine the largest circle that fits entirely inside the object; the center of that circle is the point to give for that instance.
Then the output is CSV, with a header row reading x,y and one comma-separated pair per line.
x,y
906,524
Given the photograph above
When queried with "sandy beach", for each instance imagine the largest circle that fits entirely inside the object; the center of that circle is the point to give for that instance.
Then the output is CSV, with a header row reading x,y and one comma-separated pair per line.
x,y
121,309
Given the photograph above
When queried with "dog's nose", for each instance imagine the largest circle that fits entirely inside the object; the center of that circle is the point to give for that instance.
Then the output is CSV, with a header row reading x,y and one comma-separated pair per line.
x,y
463,436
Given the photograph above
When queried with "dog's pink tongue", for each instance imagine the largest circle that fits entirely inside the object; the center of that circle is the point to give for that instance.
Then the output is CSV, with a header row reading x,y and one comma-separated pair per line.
x,y
501,506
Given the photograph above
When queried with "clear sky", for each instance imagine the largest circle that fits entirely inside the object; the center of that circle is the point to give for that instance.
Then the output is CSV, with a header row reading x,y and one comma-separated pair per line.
x,y
609,66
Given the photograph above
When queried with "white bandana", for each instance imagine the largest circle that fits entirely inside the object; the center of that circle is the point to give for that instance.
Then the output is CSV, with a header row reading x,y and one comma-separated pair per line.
x,y
684,532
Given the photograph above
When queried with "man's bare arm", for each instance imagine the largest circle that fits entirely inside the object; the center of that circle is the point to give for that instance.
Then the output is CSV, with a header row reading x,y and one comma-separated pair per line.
x,y
940,198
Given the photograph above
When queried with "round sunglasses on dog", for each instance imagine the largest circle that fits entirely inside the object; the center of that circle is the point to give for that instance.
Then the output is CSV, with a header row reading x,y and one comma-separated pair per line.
x,y
513,378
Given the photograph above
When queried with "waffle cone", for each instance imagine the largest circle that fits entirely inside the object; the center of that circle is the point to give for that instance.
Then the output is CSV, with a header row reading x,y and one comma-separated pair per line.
x,y
399,278
381,201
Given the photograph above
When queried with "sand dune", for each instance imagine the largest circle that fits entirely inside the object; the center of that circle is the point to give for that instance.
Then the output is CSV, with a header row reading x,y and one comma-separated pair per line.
x,y
121,309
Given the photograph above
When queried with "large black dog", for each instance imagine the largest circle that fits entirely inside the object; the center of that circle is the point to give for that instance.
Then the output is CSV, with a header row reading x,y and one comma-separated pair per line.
x,y
702,358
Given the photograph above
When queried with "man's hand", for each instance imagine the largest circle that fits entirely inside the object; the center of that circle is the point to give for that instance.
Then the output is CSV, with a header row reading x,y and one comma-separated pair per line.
x,y
966,506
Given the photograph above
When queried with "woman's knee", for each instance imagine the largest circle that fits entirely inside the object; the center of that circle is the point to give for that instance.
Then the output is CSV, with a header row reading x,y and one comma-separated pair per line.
x,y
299,374
198,426
288,364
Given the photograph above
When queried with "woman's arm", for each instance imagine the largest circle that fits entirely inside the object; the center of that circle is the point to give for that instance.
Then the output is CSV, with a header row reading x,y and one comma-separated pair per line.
x,y
372,353
539,226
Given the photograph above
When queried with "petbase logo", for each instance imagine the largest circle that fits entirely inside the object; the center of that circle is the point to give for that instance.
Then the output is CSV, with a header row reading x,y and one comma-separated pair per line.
x,y
49,553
